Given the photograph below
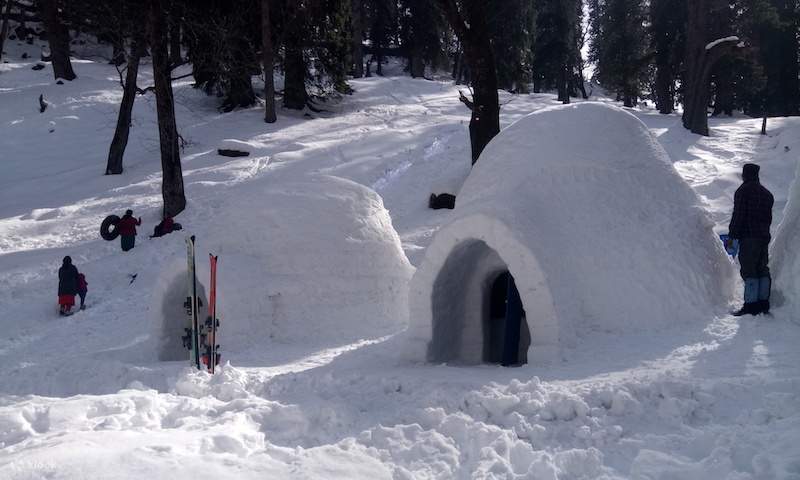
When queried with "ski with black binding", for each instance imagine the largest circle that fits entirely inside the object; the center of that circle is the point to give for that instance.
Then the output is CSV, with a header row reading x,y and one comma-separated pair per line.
x,y
192,303
209,338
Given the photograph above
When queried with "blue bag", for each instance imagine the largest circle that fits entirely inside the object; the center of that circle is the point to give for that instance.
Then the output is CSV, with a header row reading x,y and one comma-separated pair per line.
x,y
732,249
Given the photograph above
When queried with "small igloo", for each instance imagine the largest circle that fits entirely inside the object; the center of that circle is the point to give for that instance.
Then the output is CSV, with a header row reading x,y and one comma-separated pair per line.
x,y
310,259
573,221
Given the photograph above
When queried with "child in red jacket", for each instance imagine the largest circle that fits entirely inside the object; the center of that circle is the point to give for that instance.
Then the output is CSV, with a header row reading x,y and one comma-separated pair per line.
x,y
127,230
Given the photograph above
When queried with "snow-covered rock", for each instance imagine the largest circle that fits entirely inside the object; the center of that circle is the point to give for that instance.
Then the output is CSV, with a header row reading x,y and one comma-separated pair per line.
x,y
314,257
611,241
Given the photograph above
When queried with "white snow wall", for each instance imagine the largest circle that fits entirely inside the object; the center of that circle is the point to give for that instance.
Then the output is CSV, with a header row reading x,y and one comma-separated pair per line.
x,y
583,207
785,261
310,258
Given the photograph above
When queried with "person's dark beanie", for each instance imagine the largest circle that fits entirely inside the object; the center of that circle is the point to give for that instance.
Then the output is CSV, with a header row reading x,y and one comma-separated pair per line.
x,y
128,212
67,260
750,172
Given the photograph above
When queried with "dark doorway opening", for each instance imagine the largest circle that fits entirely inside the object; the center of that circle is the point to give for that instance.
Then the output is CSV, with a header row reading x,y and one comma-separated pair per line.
x,y
506,334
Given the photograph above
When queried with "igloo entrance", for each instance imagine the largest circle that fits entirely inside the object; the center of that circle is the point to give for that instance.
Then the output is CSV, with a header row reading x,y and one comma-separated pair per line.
x,y
477,312
506,333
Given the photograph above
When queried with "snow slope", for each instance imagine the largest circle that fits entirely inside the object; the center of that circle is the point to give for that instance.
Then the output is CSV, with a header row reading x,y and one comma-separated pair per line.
x,y
85,397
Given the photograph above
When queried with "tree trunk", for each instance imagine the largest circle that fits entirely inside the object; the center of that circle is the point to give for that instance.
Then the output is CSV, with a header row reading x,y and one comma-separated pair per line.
x,y
764,126
357,24
268,58
118,56
4,28
473,32
175,37
58,38
485,120
294,91
664,98
456,64
120,140
172,176
700,62
240,93
416,65
563,85
628,96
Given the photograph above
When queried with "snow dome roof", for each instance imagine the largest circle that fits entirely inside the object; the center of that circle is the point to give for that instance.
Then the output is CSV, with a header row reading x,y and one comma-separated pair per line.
x,y
312,257
583,207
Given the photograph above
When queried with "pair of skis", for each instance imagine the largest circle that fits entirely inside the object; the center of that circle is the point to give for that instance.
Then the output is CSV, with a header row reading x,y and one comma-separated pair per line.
x,y
201,338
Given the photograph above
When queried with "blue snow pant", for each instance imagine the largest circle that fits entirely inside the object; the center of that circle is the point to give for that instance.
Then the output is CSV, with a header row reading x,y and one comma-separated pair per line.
x,y
753,260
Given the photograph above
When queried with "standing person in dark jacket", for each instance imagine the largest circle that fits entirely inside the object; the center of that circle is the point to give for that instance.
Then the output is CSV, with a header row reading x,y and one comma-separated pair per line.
x,y
67,286
127,230
752,217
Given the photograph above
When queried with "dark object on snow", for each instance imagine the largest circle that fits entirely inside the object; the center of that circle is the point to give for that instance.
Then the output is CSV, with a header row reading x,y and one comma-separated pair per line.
x,y
42,103
164,227
226,152
67,286
38,66
24,55
443,200
133,278
108,229
67,278
60,82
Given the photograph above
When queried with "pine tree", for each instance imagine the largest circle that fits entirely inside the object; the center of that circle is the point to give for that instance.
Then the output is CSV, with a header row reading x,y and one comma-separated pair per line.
x,y
512,24
702,54
617,46
58,38
172,175
423,33
268,59
668,41
557,62
468,19
772,28
221,45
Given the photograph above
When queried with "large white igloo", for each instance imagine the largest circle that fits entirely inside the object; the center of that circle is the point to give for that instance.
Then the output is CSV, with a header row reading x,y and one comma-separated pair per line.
x,y
312,260
582,207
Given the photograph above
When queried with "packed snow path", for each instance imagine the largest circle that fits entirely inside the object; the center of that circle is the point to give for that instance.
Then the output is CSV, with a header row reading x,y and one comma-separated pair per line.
x,y
718,400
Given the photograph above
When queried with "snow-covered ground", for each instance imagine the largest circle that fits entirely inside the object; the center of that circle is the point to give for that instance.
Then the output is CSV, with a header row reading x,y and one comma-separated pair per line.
x,y
86,397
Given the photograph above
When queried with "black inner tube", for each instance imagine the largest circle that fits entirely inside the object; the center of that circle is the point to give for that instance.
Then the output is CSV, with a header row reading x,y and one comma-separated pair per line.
x,y
108,229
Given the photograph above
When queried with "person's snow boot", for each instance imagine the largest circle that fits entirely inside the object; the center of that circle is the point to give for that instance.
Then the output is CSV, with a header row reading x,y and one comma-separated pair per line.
x,y
763,306
749,308
751,304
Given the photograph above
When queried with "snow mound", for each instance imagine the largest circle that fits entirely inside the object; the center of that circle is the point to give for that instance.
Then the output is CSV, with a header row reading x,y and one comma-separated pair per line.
x,y
314,258
785,258
583,207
